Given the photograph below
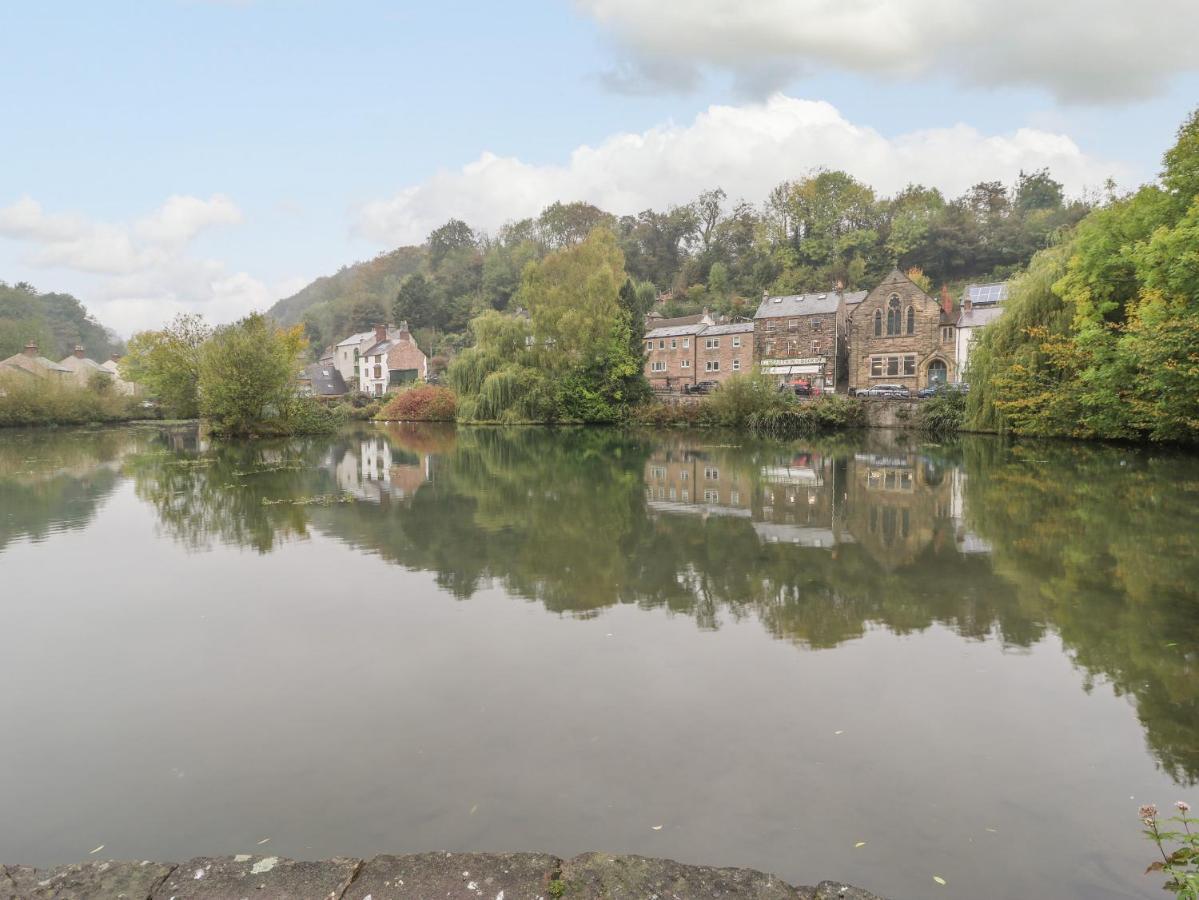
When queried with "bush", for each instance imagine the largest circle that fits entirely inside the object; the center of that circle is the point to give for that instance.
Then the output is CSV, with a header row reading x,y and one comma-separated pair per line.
x,y
423,403
741,397
943,413
307,415
829,412
26,400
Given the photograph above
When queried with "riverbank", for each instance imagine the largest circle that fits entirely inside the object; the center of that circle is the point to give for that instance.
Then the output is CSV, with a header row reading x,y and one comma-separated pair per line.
x,y
494,876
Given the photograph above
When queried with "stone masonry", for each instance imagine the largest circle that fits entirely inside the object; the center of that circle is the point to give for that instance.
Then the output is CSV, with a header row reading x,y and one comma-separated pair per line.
x,y
422,876
899,335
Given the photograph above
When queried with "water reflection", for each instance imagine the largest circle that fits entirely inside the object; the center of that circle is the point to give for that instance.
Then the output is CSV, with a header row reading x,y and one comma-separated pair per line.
x,y
818,541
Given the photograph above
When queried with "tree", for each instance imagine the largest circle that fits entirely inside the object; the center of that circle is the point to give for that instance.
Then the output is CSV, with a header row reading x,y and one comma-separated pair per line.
x,y
453,235
167,363
247,373
415,303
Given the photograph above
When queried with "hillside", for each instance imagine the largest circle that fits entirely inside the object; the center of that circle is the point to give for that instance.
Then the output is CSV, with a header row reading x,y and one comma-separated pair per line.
x,y
809,234
57,322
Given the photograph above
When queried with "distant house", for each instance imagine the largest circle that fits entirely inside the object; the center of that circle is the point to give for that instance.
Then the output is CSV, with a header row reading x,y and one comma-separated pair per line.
x,y
393,360
982,304
347,356
670,346
81,367
30,361
112,368
320,379
802,336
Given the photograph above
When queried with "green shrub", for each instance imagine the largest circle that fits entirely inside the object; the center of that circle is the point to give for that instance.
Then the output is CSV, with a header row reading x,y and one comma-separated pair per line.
x,y
741,397
943,413
826,413
30,400
422,403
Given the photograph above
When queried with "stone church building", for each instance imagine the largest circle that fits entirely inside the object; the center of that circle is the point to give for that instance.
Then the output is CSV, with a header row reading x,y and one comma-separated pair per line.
x,y
899,334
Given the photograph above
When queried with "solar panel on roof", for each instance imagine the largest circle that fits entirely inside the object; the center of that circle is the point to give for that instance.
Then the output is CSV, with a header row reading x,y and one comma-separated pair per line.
x,y
988,293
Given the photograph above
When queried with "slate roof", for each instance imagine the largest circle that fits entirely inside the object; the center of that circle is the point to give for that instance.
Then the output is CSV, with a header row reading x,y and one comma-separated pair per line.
x,y
357,338
805,304
676,322
33,363
676,331
326,381
380,347
729,328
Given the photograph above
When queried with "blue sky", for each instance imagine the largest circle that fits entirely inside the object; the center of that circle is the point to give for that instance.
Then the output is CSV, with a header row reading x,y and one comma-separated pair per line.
x,y
211,156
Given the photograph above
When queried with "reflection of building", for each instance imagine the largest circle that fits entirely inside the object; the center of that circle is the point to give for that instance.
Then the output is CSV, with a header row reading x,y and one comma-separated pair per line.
x,y
378,471
796,500
688,481
898,504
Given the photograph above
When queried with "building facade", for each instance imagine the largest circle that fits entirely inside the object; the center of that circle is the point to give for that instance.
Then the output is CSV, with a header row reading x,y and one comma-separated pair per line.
x,y
799,336
982,304
394,359
723,351
900,335
670,350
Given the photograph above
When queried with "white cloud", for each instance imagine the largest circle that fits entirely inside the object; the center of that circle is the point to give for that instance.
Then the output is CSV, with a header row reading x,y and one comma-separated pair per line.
x,y
138,275
747,150
1079,50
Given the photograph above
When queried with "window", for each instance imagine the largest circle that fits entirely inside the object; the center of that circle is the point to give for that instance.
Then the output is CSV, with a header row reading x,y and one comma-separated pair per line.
x,y
711,496
878,323
712,473
711,343
712,365
893,315
911,320
736,365
649,345
817,324
658,366
946,333
772,325
737,340
686,343
662,344
792,324
685,364
378,371
674,344
893,366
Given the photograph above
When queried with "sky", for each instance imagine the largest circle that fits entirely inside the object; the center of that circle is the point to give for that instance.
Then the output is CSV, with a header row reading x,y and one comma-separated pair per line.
x,y
213,156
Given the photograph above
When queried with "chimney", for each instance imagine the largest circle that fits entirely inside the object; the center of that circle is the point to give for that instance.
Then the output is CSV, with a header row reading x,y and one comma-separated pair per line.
x,y
404,333
380,333
946,301
30,349
765,294
79,351
967,304
116,357
840,286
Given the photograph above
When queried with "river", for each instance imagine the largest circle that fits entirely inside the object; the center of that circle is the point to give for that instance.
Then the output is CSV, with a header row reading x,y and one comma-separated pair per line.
x,y
858,657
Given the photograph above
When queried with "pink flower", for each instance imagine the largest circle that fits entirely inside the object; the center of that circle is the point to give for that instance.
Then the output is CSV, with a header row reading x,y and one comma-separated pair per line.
x,y
1183,807
1149,811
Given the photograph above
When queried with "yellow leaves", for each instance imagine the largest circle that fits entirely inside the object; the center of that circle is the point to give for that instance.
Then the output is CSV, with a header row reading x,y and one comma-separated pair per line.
x,y
939,880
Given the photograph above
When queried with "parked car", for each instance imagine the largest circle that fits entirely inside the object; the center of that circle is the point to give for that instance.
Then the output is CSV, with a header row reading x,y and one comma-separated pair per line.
x,y
701,387
887,391
947,387
799,387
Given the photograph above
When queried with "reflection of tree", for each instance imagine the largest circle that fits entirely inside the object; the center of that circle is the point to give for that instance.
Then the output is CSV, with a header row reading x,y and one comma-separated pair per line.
x,y
219,495
51,481
1101,542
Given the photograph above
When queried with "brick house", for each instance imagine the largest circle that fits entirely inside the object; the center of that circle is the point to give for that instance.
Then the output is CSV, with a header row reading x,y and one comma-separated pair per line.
x,y
900,335
391,361
670,350
722,351
800,336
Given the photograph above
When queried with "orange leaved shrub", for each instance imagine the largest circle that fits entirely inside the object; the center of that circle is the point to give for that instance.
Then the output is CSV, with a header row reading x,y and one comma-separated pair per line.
x,y
423,403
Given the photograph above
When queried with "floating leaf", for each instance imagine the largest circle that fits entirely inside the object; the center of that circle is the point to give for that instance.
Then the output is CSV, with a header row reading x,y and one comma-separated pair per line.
x,y
657,828
839,732
264,841
938,879
97,850
859,844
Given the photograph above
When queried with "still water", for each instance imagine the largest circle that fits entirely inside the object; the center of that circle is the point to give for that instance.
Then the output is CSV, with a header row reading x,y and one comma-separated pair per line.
x,y
977,659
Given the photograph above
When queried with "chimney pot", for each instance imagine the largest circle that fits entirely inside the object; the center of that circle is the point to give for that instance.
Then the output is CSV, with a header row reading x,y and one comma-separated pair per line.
x,y
30,349
946,301
79,351
380,333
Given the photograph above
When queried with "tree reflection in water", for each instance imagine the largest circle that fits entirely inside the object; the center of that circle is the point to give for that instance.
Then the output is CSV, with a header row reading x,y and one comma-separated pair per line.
x,y
819,541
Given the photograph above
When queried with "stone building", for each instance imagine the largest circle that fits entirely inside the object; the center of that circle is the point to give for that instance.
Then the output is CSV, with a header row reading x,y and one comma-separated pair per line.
x,y
899,334
798,336
670,350
722,351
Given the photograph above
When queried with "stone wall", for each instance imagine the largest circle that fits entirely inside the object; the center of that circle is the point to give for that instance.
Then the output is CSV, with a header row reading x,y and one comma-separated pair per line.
x,y
924,342
798,337
461,876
